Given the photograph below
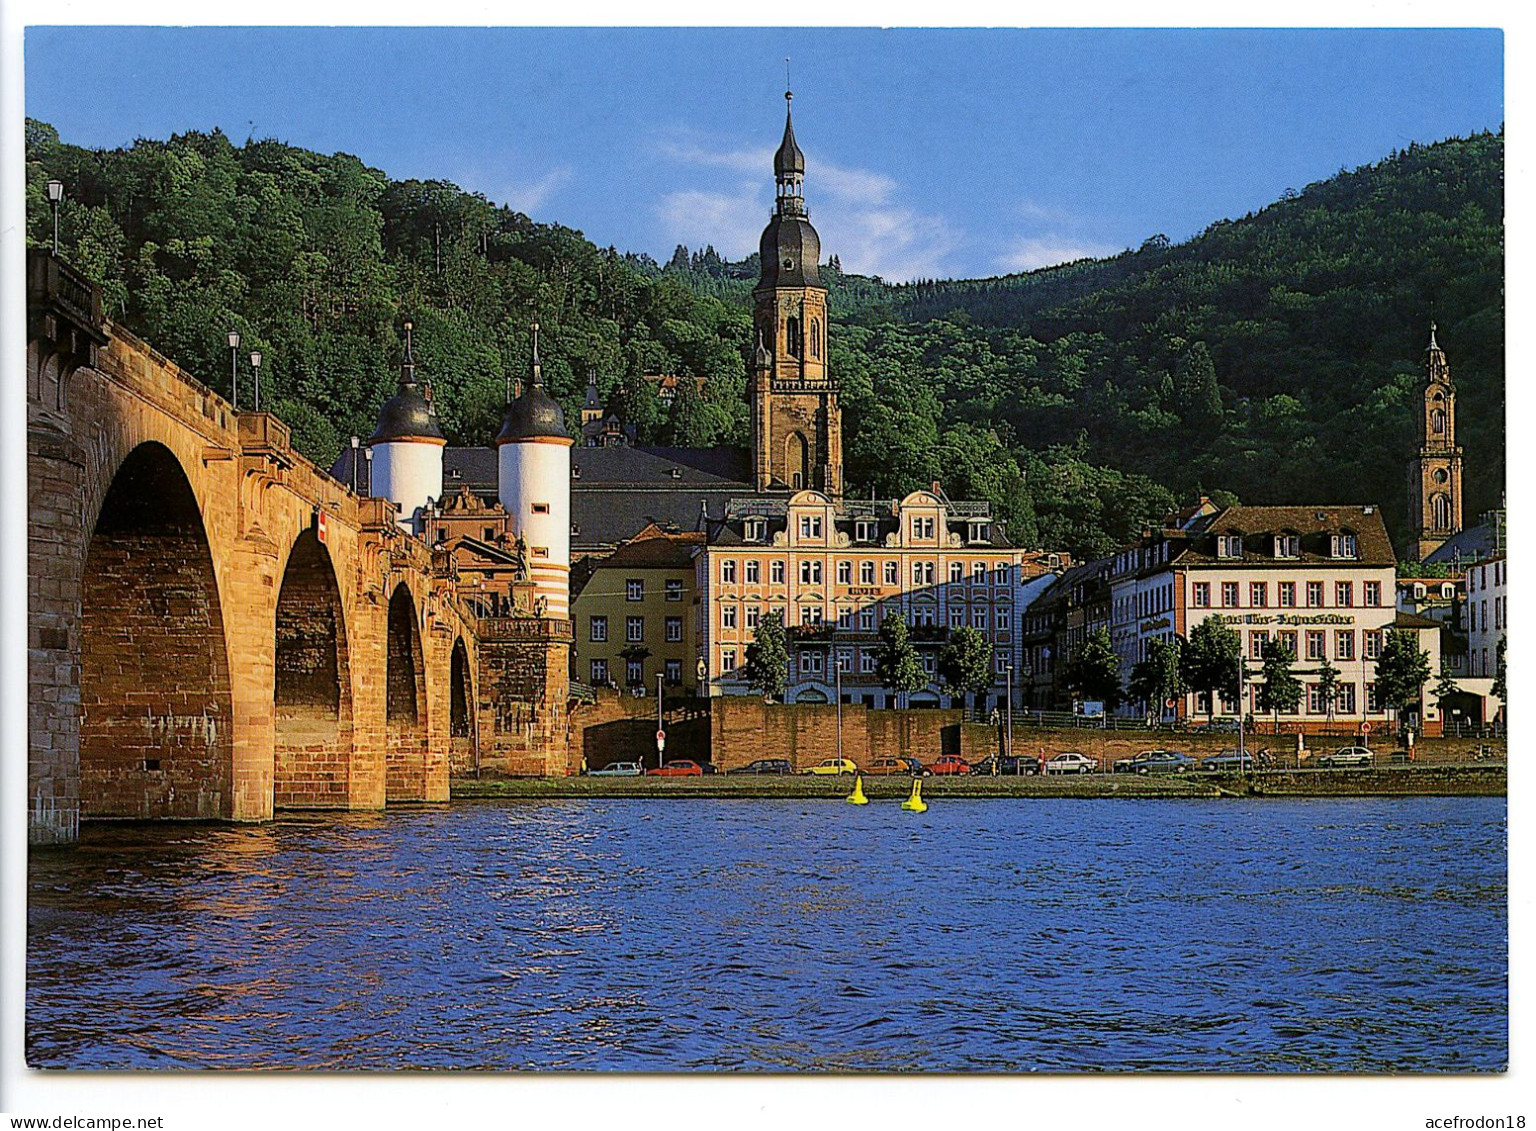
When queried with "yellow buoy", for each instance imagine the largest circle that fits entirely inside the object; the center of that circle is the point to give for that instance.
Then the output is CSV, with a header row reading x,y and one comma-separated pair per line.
x,y
857,796
916,803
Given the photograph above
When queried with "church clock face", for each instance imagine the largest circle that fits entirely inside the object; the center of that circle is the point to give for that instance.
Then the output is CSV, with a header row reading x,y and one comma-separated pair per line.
x,y
788,263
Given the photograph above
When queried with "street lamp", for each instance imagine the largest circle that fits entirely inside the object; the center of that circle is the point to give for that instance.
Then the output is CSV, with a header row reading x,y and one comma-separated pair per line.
x,y
1008,712
234,366
256,369
55,195
354,465
368,458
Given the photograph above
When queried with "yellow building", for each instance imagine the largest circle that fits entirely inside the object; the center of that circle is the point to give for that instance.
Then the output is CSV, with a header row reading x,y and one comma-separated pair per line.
x,y
635,616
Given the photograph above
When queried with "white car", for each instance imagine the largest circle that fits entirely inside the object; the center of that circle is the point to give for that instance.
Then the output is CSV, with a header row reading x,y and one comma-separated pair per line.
x,y
1071,762
1348,756
617,769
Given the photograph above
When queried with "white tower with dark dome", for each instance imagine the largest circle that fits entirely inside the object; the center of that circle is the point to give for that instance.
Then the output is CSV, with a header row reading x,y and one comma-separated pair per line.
x,y
533,456
408,446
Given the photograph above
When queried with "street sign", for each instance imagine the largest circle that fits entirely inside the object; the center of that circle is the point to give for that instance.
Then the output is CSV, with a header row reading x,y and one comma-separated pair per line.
x,y
1170,702
322,528
1365,728
661,741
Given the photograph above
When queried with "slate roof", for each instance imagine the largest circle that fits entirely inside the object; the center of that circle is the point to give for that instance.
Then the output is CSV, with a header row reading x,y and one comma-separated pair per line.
x,y
1316,526
1474,544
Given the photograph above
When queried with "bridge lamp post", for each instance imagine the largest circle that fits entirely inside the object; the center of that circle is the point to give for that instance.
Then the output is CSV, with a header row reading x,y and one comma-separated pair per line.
x,y
354,470
234,367
256,370
55,195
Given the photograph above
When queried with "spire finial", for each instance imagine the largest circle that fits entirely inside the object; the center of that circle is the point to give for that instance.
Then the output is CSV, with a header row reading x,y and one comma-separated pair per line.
x,y
787,94
538,374
408,362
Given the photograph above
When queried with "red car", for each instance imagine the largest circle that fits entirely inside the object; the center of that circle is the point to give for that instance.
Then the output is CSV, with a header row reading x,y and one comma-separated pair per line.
x,y
949,764
682,768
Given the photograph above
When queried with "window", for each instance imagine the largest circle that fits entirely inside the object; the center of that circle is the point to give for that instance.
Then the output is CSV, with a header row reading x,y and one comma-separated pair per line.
x,y
1258,594
674,588
1485,617
866,662
1344,644
752,617
1317,645
924,616
1314,594
1287,594
1343,594
866,573
599,670
892,575
1256,642
1345,704
728,571
634,630
674,630
1229,594
1000,620
844,617
728,660
753,571
755,530
1000,573
1497,614
810,614
1373,642
956,617
1202,594
979,573
844,573
1229,546
674,672
922,527
540,508
810,573
1344,546
1315,700
864,530
845,659
597,630
776,572
810,526
980,532
1372,700
1288,642
634,673
1000,664
727,616
929,662
1373,594
867,620
922,573
956,571
811,663
541,551
978,618
634,589
1287,546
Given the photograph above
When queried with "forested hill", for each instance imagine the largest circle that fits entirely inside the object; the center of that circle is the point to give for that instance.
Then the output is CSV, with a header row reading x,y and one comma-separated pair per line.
x,y
1273,357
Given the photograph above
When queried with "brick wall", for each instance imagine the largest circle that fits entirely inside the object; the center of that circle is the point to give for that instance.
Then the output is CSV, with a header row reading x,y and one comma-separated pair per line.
x,y
521,713
621,728
745,728
155,729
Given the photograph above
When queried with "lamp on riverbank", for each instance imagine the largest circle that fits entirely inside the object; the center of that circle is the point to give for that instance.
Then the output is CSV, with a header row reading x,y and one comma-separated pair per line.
x,y
256,371
55,196
234,368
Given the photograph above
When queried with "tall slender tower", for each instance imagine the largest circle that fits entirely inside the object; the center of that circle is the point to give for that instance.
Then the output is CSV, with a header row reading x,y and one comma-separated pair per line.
x,y
408,445
797,426
1434,478
533,457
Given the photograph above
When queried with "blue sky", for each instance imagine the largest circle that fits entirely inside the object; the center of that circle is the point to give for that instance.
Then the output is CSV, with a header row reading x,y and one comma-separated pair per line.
x,y
929,152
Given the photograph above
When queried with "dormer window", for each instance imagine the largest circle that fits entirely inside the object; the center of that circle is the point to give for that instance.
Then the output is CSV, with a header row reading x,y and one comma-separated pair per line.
x,y
1287,545
1418,591
864,530
810,526
1344,546
1447,592
922,527
980,532
1229,546
756,529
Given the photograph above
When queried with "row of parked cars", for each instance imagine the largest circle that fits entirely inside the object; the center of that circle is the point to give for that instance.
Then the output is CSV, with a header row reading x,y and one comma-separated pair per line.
x,y
1066,762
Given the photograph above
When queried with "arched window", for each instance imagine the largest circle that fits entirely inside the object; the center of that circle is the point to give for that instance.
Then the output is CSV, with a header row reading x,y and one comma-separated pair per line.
x,y
1440,508
796,459
815,337
1437,421
792,335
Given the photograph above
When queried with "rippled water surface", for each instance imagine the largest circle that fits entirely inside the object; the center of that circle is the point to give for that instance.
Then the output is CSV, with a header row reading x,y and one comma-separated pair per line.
x,y
1319,935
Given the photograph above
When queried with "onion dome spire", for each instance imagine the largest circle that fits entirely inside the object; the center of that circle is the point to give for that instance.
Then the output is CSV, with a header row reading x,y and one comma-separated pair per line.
x,y
408,415
790,249
1439,368
534,414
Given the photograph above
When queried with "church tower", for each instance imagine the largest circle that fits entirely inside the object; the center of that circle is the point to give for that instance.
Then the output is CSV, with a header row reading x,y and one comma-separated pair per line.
x,y
1434,478
797,426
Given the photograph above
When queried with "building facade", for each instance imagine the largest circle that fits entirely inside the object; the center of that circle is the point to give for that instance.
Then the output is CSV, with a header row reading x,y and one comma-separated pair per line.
x,y
636,615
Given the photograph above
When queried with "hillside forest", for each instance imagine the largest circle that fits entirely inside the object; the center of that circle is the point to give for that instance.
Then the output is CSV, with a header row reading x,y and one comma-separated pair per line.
x,y
1273,357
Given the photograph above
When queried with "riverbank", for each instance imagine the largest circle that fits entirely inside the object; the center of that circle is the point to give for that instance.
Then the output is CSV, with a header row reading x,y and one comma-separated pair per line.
x,y
1408,781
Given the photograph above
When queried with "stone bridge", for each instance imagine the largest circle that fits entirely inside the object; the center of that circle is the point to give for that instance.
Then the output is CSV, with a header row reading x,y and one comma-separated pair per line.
x,y
217,628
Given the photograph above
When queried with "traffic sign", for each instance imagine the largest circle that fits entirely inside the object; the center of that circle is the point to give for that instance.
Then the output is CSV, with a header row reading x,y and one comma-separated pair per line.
x,y
1170,702
1365,728
661,741
322,527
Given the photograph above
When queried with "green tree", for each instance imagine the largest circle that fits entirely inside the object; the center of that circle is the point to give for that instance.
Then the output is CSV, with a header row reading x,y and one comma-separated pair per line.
x,y
1402,670
1281,690
1198,393
1499,689
1210,662
1328,688
965,663
1156,678
896,662
1094,670
1446,686
767,659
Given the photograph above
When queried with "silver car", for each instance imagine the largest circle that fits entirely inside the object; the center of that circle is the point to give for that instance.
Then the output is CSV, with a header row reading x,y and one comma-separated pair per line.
x,y
1348,756
617,770
1071,762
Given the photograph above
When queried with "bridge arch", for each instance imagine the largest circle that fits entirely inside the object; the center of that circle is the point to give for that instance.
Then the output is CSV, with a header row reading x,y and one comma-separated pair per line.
x,y
462,745
156,716
405,701
312,685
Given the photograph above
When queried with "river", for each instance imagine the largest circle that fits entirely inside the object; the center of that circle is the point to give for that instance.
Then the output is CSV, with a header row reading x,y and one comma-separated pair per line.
x,y
1338,935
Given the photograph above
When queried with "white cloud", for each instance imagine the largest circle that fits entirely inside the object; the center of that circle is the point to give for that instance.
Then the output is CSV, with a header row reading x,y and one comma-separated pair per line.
x,y
855,186
897,243
691,152
1028,253
527,198
731,221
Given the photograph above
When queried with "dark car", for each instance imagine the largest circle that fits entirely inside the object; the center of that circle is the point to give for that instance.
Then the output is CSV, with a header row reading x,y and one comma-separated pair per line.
x,y
1155,762
1006,764
1233,760
765,766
